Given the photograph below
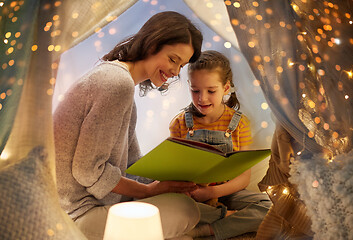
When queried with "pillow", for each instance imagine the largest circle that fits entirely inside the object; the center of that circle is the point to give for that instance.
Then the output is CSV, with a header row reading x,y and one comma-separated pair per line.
x,y
29,204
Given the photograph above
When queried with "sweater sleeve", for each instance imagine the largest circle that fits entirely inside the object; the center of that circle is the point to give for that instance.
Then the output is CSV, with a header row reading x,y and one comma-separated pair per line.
x,y
107,114
134,147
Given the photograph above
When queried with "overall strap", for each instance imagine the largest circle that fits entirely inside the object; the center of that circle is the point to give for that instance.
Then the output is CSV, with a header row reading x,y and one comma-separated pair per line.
x,y
189,122
233,123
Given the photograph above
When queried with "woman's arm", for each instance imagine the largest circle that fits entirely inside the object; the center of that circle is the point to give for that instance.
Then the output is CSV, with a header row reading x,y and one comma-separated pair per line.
x,y
135,189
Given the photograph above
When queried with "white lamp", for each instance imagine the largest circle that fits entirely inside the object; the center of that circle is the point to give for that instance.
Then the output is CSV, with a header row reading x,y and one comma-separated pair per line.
x,y
133,221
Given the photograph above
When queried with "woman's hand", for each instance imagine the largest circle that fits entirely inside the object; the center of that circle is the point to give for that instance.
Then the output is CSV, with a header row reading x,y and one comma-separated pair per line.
x,y
158,187
135,189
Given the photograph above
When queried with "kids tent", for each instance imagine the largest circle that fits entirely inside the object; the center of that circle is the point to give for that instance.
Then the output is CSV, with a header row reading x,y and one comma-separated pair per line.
x,y
297,57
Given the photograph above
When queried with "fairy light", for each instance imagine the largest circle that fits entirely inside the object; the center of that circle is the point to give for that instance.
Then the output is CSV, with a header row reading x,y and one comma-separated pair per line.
x,y
300,151
264,106
295,7
269,190
329,157
315,184
311,67
236,4
4,155
349,73
285,191
209,5
337,41
227,45
216,38
264,124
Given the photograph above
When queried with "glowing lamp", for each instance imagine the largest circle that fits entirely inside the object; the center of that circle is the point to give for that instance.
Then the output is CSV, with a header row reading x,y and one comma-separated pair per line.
x,y
133,221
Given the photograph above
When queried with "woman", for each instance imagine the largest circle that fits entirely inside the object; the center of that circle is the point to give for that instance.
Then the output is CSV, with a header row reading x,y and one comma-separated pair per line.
x,y
94,129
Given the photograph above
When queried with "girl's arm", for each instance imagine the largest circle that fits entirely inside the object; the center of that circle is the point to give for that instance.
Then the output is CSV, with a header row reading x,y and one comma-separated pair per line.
x,y
208,192
239,183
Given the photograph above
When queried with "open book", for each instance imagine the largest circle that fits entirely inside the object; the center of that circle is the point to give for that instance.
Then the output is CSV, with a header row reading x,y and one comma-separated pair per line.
x,y
187,160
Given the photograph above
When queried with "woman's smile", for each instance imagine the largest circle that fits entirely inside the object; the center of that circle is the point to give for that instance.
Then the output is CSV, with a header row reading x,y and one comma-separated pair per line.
x,y
164,76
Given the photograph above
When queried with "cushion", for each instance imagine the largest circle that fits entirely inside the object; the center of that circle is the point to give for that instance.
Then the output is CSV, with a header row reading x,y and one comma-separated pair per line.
x,y
29,204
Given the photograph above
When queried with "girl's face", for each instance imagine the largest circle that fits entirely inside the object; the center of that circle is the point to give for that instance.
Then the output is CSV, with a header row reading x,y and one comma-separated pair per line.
x,y
167,62
207,92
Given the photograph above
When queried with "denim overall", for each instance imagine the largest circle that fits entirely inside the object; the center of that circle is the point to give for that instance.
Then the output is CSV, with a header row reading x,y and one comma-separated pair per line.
x,y
219,139
251,206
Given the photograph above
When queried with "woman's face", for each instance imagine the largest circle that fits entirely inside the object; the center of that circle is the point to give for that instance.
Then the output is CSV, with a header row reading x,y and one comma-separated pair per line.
x,y
167,62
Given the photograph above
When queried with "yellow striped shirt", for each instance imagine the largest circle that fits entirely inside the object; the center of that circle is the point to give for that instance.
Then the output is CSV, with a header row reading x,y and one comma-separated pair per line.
x,y
241,136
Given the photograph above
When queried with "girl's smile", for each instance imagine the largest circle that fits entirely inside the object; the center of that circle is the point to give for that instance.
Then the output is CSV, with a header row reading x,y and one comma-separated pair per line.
x,y
207,93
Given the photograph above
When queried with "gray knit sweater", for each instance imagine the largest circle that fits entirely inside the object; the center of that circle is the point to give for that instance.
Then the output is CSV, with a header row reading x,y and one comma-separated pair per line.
x,y
94,132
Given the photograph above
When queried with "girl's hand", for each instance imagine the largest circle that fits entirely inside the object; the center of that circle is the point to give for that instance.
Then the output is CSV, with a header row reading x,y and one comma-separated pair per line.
x,y
202,193
158,187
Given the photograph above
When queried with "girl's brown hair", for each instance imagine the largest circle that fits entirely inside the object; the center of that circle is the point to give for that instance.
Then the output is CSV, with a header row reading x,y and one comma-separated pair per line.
x,y
214,61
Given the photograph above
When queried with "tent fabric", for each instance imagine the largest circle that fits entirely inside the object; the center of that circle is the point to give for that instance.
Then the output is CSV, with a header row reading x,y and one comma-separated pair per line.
x,y
301,52
81,19
35,33
214,14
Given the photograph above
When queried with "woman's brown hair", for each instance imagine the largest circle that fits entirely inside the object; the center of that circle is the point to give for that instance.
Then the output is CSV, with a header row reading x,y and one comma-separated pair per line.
x,y
165,28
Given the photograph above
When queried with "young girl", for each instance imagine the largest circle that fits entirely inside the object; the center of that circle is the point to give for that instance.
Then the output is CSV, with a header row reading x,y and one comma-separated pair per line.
x,y
94,129
212,120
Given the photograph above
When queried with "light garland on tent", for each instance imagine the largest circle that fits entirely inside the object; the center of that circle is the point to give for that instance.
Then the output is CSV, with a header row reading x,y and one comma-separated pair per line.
x,y
305,47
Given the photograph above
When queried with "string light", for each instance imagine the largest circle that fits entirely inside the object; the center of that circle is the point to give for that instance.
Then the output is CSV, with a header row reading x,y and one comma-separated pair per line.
x,y
337,41
300,151
315,184
349,73
4,155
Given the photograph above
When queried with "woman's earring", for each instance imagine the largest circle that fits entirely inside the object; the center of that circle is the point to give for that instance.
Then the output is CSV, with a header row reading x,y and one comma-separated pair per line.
x,y
164,87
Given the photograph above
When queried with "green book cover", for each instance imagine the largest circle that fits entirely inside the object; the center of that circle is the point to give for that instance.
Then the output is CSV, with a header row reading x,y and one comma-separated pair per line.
x,y
186,160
